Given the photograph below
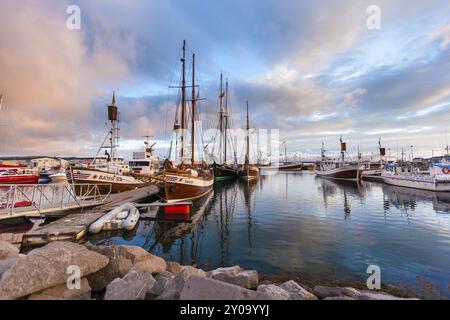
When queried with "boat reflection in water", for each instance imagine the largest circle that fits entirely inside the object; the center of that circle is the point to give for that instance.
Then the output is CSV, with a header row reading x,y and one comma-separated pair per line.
x,y
347,190
289,225
407,199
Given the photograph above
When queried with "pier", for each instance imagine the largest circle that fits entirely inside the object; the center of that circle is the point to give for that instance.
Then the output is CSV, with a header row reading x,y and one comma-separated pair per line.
x,y
31,201
73,227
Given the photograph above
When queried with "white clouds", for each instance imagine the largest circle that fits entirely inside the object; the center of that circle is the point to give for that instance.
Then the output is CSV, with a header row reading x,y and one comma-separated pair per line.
x,y
352,99
442,34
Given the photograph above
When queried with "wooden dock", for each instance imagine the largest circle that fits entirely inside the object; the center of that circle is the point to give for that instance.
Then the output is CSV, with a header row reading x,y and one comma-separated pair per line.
x,y
74,227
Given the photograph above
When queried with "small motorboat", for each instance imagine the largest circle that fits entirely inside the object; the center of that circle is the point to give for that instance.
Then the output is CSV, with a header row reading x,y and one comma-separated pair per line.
x,y
8,177
124,217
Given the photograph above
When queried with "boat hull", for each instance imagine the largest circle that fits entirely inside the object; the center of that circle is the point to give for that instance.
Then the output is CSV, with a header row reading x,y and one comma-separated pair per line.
x,y
248,173
107,182
429,184
19,179
178,188
222,172
343,173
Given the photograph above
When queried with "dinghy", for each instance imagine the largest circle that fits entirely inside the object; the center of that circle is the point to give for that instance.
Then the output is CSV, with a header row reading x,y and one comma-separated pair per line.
x,y
124,217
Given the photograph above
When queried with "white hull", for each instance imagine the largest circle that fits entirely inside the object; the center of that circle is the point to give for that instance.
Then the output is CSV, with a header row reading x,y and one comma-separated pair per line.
x,y
58,178
99,177
423,183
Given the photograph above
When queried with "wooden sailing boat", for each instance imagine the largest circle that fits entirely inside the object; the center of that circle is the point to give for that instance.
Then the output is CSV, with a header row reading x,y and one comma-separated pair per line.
x,y
223,170
248,171
185,181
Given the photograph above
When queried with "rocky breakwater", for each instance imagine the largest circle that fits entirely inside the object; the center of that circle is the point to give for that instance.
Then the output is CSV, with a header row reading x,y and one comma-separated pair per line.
x,y
131,273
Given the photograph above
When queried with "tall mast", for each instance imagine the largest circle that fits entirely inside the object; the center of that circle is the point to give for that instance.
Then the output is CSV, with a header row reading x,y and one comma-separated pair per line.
x,y
226,122
183,101
221,115
194,98
247,155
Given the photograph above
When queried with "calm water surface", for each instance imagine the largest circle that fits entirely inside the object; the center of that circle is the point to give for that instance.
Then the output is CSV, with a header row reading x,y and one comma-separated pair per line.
x,y
294,224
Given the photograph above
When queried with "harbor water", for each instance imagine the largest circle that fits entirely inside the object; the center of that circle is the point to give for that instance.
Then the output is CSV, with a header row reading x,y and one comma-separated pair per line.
x,y
295,225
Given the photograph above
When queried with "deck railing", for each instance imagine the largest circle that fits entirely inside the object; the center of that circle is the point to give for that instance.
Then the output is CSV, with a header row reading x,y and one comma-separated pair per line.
x,y
51,196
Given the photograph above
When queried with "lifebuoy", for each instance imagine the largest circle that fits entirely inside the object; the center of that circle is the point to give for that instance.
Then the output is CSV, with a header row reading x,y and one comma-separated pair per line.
x,y
445,170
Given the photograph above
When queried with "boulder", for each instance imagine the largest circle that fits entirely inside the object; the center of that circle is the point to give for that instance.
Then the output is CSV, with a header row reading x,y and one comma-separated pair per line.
x,y
296,291
134,286
152,264
201,288
118,266
47,267
327,292
272,292
174,267
61,292
236,275
174,288
162,282
7,250
6,264
122,260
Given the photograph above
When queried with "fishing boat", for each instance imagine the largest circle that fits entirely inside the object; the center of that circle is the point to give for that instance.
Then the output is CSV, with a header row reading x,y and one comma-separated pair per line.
x,y
372,170
187,180
247,171
338,170
111,175
284,166
438,178
223,170
145,163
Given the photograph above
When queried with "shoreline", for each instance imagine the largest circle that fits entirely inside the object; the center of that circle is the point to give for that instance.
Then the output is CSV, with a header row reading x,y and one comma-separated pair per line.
x,y
131,273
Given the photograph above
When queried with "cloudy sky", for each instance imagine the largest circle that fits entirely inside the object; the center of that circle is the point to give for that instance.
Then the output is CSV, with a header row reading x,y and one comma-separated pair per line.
x,y
312,69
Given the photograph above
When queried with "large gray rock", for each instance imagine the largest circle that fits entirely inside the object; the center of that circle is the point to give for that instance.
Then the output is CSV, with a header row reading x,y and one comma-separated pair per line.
x,y
296,291
47,267
236,275
327,292
61,292
7,264
152,264
162,283
134,286
272,292
174,288
121,260
201,288
7,250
